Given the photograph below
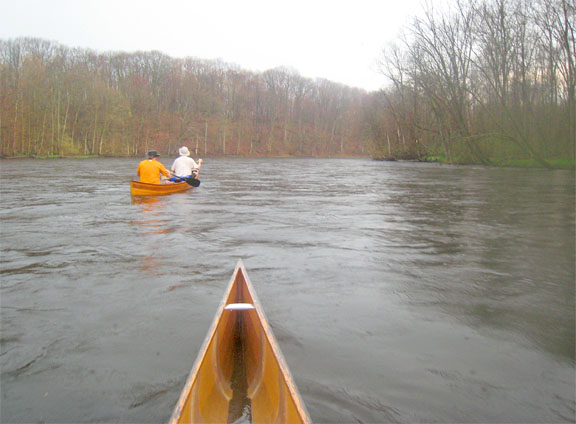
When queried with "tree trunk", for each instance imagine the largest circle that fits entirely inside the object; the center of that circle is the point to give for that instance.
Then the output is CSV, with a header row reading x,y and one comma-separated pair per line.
x,y
206,136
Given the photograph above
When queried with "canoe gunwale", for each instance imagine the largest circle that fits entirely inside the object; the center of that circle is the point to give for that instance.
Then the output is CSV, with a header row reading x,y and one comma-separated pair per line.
x,y
286,374
202,353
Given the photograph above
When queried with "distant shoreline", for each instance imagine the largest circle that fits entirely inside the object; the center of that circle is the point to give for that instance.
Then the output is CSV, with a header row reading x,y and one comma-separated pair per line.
x,y
517,163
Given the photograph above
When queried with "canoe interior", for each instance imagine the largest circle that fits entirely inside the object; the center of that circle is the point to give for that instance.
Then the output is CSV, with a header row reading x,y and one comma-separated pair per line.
x,y
240,374
146,189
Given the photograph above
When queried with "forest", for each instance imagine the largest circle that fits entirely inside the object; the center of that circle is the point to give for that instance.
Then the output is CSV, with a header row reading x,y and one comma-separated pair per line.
x,y
487,82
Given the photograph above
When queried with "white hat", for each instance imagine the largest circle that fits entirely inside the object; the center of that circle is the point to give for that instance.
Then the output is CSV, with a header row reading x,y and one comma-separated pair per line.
x,y
183,151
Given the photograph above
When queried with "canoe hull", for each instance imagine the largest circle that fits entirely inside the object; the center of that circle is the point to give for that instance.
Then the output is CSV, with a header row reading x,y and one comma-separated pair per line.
x,y
146,189
240,368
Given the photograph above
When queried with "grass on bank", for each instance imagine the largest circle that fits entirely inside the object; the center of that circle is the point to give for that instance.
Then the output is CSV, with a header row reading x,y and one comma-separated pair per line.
x,y
531,163
517,163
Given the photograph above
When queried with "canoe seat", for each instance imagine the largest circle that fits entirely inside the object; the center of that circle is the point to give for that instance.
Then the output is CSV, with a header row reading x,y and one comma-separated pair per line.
x,y
239,307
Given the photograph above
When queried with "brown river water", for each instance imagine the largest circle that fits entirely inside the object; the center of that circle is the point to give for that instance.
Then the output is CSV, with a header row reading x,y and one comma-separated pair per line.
x,y
398,292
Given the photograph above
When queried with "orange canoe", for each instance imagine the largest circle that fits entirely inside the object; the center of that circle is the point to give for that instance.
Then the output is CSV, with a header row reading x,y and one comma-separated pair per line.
x,y
146,189
240,374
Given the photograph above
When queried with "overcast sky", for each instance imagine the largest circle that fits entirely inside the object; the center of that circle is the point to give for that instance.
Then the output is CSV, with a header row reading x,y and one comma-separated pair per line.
x,y
336,40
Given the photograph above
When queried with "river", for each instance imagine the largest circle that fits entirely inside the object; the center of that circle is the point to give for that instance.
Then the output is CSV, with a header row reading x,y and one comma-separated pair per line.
x,y
398,292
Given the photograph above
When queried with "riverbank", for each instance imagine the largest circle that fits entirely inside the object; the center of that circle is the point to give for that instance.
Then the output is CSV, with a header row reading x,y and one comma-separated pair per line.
x,y
511,163
514,163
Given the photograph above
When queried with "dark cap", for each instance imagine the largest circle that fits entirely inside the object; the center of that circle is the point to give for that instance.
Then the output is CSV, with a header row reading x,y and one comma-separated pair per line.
x,y
153,154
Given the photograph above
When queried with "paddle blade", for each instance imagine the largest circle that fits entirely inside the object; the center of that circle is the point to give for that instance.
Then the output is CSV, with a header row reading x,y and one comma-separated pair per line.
x,y
193,182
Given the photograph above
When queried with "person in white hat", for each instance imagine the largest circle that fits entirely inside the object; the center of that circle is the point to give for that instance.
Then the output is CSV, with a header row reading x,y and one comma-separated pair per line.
x,y
185,166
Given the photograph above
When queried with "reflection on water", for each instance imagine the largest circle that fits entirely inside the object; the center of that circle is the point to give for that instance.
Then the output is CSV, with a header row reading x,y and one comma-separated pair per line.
x,y
399,293
151,265
152,221
491,242
147,203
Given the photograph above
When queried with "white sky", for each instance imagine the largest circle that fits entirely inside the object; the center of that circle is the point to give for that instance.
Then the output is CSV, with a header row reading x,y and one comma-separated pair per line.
x,y
337,40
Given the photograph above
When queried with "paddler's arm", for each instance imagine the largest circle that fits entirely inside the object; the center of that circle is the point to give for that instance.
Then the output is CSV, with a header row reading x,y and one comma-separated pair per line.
x,y
164,171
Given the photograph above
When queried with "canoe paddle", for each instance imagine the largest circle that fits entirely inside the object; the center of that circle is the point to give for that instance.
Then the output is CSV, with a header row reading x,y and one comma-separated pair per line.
x,y
192,181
